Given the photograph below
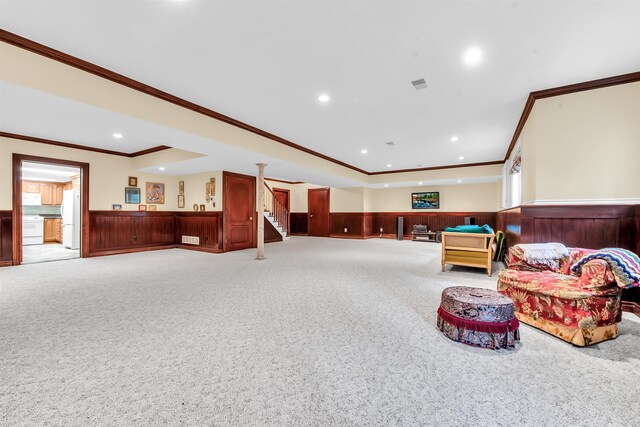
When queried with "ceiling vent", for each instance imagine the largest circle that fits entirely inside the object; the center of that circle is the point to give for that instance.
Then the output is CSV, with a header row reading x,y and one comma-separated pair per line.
x,y
390,143
419,84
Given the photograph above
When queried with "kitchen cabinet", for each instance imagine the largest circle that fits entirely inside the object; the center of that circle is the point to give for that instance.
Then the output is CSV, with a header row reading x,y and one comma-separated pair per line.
x,y
30,187
57,194
52,230
46,190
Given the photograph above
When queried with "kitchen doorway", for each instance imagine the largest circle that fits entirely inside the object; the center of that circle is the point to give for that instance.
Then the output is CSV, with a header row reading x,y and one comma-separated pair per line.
x,y
49,209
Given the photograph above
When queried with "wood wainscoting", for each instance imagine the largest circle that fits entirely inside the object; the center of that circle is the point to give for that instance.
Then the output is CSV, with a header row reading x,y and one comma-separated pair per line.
x,y
508,221
207,226
434,220
6,247
116,232
299,223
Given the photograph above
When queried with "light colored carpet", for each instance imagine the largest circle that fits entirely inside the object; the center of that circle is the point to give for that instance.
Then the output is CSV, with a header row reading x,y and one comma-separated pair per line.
x,y
323,332
47,252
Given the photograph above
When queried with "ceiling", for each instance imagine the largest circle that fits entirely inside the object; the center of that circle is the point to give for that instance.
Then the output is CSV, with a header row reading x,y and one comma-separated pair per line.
x,y
265,63
46,172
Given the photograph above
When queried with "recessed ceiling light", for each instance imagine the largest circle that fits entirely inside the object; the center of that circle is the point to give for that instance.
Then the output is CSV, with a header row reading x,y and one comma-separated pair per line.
x,y
117,135
364,151
323,98
454,138
419,183
389,165
459,180
161,168
390,143
386,185
461,158
472,57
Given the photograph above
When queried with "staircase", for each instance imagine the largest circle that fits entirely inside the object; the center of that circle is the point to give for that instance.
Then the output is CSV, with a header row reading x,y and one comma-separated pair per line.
x,y
276,213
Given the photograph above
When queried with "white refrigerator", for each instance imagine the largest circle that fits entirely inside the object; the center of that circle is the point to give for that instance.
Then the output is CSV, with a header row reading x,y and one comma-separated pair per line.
x,y
70,212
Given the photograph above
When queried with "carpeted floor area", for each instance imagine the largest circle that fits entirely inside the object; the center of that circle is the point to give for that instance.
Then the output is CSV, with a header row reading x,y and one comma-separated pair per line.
x,y
323,332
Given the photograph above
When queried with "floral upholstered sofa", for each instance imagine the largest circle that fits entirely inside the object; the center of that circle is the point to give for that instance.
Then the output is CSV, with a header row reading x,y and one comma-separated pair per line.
x,y
582,309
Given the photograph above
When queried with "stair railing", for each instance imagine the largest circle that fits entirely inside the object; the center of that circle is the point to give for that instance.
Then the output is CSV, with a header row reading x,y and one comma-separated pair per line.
x,y
276,209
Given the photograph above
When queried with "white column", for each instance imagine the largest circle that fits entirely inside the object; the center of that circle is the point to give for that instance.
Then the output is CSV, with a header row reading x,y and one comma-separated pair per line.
x,y
260,210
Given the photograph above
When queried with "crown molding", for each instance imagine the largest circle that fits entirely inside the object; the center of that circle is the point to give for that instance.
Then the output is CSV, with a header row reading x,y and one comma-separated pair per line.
x,y
565,90
82,147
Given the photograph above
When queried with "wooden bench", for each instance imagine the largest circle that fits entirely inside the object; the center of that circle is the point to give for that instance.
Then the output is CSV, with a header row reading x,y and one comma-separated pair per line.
x,y
467,249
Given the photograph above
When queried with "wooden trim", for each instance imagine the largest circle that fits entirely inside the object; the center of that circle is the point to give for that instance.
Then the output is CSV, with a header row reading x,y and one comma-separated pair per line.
x,y
107,74
198,248
130,250
282,180
284,190
82,147
631,307
6,263
149,151
466,165
17,201
565,90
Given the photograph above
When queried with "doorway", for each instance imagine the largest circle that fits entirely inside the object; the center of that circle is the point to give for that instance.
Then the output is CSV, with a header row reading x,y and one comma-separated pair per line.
x,y
50,209
318,212
239,200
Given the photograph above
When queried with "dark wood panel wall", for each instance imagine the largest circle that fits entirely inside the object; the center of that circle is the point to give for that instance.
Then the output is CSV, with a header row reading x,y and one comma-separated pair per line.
x,y
509,222
368,224
271,235
587,226
130,231
299,223
207,226
5,238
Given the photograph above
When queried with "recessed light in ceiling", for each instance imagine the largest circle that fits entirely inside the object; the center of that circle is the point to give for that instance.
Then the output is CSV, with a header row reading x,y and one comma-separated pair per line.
x,y
117,135
363,151
323,98
389,165
419,84
472,57
454,138
461,158
419,183
390,143
386,185
459,180
161,168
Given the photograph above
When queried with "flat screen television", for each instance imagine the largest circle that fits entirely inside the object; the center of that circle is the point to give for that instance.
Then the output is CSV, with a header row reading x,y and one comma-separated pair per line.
x,y
426,200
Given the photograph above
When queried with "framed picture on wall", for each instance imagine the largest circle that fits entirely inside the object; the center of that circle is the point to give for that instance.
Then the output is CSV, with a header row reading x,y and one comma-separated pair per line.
x,y
151,207
142,207
155,193
202,208
181,200
132,195
426,200
116,207
180,187
133,181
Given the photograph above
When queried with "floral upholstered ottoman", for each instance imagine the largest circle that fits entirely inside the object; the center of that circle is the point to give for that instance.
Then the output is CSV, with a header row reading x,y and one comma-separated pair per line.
x,y
479,317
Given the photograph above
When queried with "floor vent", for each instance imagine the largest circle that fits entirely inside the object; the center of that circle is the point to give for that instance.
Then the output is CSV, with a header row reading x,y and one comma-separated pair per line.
x,y
191,240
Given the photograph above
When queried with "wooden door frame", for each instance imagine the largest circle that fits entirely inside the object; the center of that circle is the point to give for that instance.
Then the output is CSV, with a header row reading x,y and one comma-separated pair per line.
x,y
225,208
284,190
16,234
328,190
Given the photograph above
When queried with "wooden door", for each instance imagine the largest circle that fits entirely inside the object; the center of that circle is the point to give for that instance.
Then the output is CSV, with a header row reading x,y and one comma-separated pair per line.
x,y
239,199
282,196
319,212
